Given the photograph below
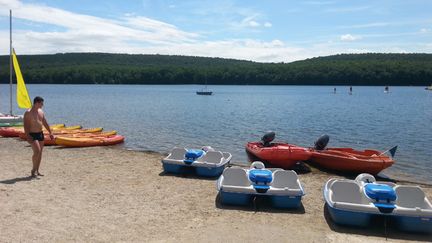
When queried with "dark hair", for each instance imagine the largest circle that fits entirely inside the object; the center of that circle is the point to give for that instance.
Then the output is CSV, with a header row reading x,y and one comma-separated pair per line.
x,y
38,99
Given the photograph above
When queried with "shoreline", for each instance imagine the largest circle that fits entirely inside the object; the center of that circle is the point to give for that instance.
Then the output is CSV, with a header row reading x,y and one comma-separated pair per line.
x,y
115,194
395,176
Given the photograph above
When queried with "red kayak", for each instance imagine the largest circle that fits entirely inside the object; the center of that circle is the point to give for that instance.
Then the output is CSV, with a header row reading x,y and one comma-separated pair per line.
x,y
350,160
9,132
281,155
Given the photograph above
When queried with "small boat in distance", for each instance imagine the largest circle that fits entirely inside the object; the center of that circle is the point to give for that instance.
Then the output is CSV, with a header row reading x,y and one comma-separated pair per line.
x,y
428,88
204,91
386,89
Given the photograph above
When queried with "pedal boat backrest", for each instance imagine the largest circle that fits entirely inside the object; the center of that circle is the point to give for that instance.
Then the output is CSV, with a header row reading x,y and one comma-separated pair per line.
x,y
177,154
212,157
411,197
346,192
235,177
285,179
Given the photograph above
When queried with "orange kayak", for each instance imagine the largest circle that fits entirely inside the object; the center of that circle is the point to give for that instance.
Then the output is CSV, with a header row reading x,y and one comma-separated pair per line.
x,y
16,131
50,142
62,132
9,132
281,155
89,141
350,160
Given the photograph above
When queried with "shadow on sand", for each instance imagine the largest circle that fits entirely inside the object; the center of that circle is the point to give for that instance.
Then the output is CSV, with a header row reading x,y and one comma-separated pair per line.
x,y
189,175
377,228
259,204
18,179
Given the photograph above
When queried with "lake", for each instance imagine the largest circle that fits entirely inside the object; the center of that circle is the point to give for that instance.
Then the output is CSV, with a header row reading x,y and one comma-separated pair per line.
x,y
159,117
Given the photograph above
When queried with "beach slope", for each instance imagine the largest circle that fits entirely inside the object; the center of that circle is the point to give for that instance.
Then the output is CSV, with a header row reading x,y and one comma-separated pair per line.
x,y
111,194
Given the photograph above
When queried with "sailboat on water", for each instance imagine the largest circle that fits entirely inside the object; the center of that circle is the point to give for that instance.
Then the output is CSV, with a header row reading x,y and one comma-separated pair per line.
x,y
22,97
204,91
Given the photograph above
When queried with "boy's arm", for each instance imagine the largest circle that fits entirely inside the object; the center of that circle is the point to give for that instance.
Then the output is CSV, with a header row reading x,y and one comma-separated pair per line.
x,y
45,123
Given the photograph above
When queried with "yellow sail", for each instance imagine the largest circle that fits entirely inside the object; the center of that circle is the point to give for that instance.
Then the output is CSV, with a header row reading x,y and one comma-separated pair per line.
x,y
23,98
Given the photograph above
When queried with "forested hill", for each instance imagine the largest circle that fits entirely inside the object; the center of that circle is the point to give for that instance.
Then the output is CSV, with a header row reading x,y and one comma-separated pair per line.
x,y
345,69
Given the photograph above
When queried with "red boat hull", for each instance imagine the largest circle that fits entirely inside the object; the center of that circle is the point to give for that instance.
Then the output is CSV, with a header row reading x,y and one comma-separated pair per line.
x,y
281,155
9,132
350,160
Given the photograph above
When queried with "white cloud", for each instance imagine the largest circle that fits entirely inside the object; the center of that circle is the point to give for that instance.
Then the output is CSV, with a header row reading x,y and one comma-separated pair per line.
x,y
349,37
136,34
361,26
347,10
424,30
250,21
319,2
129,28
253,23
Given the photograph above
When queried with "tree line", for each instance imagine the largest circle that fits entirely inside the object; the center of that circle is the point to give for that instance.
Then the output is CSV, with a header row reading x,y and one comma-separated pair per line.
x,y
103,68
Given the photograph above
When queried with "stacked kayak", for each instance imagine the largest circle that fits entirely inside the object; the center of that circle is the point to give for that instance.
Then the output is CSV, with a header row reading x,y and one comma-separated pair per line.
x,y
350,160
72,136
238,186
86,134
358,202
89,140
11,124
17,131
282,155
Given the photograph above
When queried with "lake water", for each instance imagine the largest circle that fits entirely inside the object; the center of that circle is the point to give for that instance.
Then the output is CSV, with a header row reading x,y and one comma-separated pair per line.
x,y
159,117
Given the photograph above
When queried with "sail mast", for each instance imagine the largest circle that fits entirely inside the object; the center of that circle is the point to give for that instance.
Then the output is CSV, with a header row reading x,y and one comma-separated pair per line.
x,y
10,59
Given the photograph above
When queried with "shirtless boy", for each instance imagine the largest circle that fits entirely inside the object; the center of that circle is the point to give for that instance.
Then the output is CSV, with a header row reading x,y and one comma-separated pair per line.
x,y
34,119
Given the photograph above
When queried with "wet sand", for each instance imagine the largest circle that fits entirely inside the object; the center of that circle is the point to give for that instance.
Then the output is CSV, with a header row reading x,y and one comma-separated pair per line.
x,y
111,194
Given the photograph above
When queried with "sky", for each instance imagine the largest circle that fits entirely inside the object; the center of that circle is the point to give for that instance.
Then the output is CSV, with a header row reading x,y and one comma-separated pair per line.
x,y
256,30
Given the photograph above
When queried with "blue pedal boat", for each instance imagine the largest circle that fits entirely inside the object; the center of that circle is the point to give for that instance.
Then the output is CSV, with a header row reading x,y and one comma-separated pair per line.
x,y
238,186
357,202
208,163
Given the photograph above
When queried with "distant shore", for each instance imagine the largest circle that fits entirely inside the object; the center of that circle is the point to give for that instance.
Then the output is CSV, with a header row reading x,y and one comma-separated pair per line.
x,y
381,69
112,194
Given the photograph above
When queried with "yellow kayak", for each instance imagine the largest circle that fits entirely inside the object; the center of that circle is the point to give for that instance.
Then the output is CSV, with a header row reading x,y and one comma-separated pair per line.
x,y
68,128
17,131
49,141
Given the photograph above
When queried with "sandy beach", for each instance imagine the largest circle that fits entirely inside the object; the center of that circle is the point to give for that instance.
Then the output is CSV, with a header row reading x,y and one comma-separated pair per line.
x,y
111,194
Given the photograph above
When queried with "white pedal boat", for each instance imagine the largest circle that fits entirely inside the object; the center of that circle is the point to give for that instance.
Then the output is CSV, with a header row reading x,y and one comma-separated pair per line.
x,y
238,186
356,202
208,163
